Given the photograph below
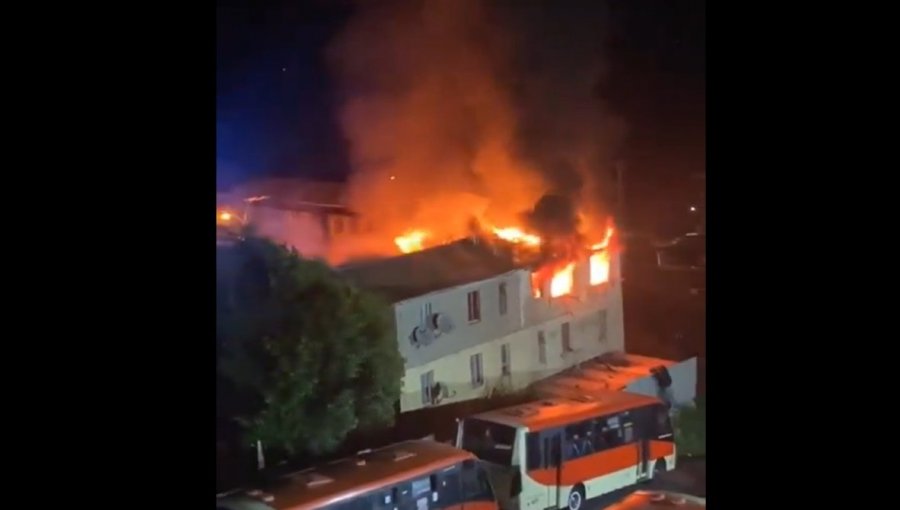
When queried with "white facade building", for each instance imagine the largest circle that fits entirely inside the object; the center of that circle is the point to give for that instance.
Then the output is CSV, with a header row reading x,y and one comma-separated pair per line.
x,y
468,322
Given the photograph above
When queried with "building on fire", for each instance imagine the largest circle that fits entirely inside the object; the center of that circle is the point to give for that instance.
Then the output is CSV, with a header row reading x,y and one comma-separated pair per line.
x,y
471,321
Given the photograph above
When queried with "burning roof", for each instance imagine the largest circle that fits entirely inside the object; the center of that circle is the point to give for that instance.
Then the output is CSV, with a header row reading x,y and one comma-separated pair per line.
x,y
485,254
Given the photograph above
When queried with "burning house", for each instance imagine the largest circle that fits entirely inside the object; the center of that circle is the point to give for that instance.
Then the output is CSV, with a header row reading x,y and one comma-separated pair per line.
x,y
494,312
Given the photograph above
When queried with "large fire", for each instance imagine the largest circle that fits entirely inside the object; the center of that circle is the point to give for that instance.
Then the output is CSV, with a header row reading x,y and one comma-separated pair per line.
x,y
563,281
515,235
413,240
599,262
602,245
418,239
561,275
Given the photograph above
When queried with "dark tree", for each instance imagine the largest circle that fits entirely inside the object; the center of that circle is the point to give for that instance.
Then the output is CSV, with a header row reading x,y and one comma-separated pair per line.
x,y
303,358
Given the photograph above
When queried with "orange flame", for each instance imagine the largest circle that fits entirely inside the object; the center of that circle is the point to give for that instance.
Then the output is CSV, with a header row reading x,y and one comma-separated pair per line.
x,y
411,241
515,235
536,289
562,281
602,245
599,267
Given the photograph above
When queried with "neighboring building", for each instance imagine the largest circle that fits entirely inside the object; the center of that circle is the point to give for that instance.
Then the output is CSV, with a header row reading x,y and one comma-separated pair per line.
x,y
305,215
468,322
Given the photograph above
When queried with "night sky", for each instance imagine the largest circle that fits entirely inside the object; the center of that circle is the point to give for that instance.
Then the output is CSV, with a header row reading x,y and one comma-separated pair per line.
x,y
276,98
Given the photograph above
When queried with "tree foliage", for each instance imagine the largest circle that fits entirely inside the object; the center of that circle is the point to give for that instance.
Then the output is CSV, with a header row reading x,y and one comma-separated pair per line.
x,y
303,356
690,428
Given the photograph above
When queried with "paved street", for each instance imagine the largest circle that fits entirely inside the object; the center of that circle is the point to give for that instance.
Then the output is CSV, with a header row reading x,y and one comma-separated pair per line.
x,y
689,478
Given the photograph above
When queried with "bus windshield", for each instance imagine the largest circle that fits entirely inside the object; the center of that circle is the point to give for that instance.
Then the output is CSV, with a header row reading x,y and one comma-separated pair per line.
x,y
490,442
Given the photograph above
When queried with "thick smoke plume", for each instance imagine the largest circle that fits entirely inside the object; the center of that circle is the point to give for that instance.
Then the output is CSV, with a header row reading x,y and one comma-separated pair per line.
x,y
459,109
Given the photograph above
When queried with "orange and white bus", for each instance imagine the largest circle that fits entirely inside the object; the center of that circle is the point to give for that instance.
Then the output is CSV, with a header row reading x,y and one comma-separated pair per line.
x,y
413,475
557,453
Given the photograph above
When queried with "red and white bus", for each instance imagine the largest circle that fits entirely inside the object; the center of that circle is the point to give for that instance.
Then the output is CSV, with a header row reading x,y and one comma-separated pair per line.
x,y
413,475
558,453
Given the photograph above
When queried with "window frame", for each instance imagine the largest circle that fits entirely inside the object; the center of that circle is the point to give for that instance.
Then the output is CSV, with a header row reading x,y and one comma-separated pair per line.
x,y
426,381
473,301
505,359
476,370
542,347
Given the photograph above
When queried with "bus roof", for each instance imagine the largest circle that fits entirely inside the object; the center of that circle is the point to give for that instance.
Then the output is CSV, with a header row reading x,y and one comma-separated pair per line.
x,y
342,479
612,371
554,412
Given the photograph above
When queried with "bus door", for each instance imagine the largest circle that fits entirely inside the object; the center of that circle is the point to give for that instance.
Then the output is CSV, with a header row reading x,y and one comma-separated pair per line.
x,y
552,448
643,429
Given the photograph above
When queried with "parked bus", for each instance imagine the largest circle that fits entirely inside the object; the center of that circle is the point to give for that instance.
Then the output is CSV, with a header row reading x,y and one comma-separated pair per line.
x,y
413,475
557,453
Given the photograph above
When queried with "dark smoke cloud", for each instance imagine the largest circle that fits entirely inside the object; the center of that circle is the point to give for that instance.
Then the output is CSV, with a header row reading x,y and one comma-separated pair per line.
x,y
566,129
554,216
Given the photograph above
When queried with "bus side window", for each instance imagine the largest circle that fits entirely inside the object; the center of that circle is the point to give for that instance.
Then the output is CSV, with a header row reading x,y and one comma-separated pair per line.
x,y
578,442
628,436
552,456
627,420
475,482
533,451
382,500
421,486
611,431
403,497
663,422
448,489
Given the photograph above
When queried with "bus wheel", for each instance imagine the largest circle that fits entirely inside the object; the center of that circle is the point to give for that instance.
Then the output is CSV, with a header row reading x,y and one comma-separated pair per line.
x,y
576,498
659,468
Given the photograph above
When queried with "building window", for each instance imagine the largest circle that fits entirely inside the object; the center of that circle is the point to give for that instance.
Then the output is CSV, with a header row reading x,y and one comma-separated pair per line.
x,y
536,289
602,326
474,306
566,338
427,380
503,298
476,370
506,369
542,348
425,314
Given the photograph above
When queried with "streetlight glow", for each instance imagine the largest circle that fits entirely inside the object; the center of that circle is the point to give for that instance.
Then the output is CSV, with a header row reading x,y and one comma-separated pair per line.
x,y
225,216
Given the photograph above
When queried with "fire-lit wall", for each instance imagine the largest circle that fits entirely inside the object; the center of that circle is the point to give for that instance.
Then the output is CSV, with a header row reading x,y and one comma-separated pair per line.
x,y
592,316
